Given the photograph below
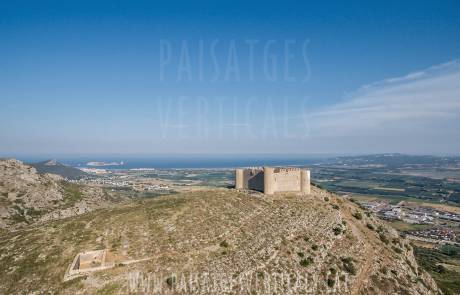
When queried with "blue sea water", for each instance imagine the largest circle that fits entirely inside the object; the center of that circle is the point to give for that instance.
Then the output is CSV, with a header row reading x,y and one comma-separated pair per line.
x,y
188,161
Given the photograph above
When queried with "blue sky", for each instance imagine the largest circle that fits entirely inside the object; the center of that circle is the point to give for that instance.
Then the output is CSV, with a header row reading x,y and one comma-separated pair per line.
x,y
82,77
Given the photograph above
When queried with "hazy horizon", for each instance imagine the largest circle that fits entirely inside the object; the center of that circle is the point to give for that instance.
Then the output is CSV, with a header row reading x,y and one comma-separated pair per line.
x,y
198,159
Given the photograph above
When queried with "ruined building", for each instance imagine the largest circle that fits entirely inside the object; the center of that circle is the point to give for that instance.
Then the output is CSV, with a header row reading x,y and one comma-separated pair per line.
x,y
270,180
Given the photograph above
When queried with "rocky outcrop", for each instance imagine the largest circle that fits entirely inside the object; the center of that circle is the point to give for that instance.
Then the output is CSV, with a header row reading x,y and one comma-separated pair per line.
x,y
27,197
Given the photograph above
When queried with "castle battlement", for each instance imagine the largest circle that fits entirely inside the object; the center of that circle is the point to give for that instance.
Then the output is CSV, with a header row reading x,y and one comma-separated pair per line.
x,y
270,180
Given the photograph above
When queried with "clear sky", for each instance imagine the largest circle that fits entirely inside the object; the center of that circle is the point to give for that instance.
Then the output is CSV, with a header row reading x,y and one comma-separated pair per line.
x,y
285,77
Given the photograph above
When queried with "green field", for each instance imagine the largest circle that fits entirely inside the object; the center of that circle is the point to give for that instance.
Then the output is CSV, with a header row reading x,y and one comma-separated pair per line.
x,y
403,226
443,264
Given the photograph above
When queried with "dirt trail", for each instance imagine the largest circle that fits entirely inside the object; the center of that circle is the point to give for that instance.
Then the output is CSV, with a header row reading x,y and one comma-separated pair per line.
x,y
359,230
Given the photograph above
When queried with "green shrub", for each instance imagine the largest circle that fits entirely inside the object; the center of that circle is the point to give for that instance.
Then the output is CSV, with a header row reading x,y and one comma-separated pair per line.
x,y
337,230
330,282
358,215
383,238
300,254
326,199
224,244
314,247
361,206
34,212
370,226
336,207
349,266
306,262
440,268
397,250
171,281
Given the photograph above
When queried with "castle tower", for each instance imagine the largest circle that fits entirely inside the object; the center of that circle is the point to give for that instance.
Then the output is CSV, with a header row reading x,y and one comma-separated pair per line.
x,y
239,179
269,185
305,181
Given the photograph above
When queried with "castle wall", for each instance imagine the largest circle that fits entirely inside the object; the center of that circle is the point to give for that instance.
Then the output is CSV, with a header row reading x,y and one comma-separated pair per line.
x,y
286,180
270,180
269,183
255,180
305,181
239,179
249,179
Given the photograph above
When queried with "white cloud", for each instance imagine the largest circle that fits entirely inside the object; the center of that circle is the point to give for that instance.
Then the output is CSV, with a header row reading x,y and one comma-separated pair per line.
x,y
412,110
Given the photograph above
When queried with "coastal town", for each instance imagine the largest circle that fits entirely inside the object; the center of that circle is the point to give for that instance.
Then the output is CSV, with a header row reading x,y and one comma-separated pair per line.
x,y
429,224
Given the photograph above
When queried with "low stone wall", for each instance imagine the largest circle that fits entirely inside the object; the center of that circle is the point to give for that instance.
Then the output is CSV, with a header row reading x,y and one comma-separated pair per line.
x,y
82,263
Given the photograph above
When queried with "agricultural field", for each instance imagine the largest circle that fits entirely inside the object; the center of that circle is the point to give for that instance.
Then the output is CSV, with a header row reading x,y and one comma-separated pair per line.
x,y
443,264
394,177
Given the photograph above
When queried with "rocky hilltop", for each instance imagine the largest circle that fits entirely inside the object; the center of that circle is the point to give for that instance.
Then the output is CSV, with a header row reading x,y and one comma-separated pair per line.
x,y
27,197
54,167
218,242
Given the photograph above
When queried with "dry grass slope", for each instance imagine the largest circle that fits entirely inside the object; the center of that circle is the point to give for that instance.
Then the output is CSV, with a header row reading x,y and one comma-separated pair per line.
x,y
219,231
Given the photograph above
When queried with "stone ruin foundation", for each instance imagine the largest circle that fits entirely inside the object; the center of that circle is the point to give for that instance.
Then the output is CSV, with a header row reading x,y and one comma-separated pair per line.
x,y
89,261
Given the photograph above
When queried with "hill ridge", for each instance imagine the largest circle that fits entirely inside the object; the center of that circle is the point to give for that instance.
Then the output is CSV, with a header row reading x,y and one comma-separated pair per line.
x,y
322,237
52,166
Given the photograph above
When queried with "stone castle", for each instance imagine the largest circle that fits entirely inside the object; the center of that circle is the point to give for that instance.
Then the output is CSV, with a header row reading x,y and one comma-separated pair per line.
x,y
270,180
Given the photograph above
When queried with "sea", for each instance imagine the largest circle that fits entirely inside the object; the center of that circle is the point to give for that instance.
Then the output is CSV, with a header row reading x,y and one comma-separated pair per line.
x,y
182,161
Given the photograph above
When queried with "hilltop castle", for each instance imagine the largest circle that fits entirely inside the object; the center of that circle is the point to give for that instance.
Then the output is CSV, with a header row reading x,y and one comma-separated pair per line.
x,y
270,180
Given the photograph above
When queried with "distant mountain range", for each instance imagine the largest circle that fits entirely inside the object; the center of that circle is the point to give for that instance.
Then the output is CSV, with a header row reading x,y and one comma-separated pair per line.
x,y
54,167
